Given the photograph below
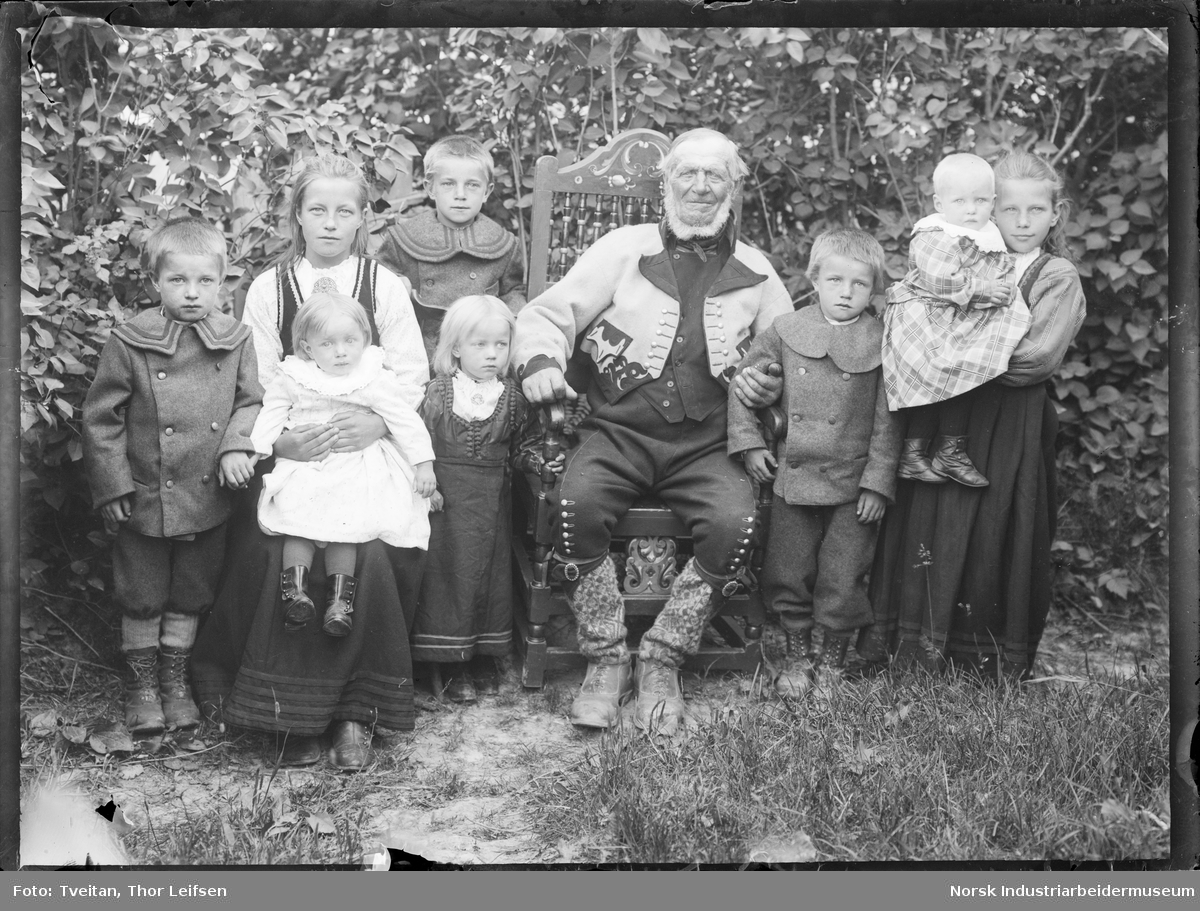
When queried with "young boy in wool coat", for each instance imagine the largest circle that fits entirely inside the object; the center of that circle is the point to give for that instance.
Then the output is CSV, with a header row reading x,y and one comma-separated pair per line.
x,y
837,464
451,250
166,434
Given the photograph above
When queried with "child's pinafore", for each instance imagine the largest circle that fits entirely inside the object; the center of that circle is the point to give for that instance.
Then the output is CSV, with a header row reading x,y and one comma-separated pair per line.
x,y
466,594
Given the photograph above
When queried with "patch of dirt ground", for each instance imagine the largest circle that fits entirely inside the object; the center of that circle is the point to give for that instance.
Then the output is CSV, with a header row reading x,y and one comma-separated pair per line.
x,y
453,791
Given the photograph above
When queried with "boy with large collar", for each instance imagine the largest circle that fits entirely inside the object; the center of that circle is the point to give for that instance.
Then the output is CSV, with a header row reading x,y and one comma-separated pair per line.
x,y
452,250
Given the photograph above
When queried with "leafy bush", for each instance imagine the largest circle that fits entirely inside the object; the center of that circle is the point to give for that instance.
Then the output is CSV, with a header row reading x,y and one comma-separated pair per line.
x,y
124,127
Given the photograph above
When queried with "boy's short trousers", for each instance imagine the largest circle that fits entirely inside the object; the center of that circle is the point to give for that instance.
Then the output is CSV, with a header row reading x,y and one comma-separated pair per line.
x,y
152,575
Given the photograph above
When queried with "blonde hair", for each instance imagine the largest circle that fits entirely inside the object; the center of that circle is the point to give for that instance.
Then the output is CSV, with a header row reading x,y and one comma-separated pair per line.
x,y
337,168
458,147
733,160
188,236
1018,165
851,243
960,163
464,315
319,310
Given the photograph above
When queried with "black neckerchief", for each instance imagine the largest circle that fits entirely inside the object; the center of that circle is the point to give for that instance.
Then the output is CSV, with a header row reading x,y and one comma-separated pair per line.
x,y
703,247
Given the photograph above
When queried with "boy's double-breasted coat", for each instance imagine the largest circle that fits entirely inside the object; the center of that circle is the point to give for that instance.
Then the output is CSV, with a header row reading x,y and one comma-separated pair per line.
x,y
841,439
840,435
169,399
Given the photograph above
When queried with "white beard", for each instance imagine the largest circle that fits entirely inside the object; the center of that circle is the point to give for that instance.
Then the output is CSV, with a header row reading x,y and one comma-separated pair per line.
x,y
690,232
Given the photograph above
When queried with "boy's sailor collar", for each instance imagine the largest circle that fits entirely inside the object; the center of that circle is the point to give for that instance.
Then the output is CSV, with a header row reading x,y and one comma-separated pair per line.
x,y
855,347
152,331
427,239
987,238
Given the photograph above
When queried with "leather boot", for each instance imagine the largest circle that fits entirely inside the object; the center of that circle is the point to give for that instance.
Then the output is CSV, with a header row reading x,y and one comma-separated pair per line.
x,y
351,746
459,685
175,691
606,687
829,662
298,607
143,708
297,749
950,460
340,605
915,464
796,675
659,697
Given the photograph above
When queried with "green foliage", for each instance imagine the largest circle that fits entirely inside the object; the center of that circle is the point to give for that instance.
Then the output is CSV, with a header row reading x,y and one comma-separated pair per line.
x,y
123,127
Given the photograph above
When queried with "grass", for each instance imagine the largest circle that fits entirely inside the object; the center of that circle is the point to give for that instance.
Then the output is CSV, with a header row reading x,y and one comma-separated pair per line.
x,y
908,766
904,767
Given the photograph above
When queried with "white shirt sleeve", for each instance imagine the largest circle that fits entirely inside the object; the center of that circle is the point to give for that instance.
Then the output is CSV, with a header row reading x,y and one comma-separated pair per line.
x,y
404,424
277,404
261,314
400,336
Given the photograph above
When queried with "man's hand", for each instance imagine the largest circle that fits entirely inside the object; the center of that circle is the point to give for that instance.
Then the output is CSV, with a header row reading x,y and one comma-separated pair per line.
x,y
116,511
759,464
424,480
436,501
756,389
236,469
546,386
306,443
357,430
871,506
556,464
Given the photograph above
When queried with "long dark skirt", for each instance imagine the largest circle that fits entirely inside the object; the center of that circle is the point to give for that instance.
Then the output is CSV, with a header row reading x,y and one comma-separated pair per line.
x,y
252,673
466,592
964,575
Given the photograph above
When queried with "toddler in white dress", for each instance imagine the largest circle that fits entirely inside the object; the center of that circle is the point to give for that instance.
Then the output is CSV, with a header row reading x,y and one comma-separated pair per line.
x,y
346,498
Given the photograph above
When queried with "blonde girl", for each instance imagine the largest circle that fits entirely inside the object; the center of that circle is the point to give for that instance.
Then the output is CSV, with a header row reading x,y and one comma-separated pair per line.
x,y
478,418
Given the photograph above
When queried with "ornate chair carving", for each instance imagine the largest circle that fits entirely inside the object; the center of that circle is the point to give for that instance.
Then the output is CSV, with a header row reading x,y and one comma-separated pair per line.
x,y
619,184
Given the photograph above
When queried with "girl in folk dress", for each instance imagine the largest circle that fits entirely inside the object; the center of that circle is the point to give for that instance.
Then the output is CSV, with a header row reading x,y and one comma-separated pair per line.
x,y
478,419
347,497
951,324
247,669
969,571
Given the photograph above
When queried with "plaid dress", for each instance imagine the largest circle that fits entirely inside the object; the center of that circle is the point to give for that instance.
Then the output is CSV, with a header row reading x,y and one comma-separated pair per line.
x,y
942,336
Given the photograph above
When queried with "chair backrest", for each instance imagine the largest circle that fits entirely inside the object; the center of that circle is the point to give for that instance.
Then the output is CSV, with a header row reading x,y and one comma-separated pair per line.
x,y
618,184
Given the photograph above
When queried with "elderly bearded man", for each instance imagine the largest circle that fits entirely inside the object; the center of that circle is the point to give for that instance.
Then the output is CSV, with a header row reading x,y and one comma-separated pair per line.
x,y
667,313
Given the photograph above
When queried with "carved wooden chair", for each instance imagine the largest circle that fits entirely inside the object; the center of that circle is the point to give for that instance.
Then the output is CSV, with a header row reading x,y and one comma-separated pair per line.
x,y
619,184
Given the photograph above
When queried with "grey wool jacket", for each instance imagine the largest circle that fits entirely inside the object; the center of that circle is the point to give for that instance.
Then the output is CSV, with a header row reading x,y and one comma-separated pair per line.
x,y
443,264
169,399
840,435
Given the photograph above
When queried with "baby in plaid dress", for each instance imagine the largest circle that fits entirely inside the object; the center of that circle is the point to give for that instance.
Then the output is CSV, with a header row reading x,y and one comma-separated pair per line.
x,y
952,323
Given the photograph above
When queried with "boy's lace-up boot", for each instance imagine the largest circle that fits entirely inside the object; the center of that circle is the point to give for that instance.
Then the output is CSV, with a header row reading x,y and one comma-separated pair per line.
x,y
298,607
340,605
143,707
175,691
795,677
950,460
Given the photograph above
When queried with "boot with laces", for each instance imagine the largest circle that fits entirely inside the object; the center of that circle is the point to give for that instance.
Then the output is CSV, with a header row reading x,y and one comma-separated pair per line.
x,y
796,674
143,706
174,690
659,697
606,687
915,464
